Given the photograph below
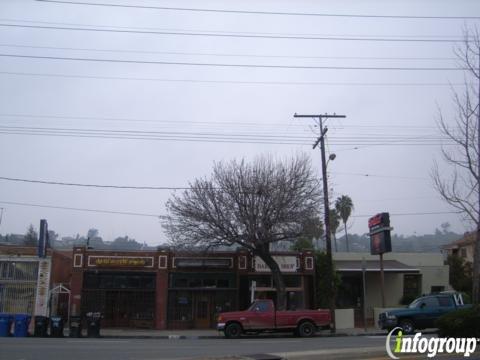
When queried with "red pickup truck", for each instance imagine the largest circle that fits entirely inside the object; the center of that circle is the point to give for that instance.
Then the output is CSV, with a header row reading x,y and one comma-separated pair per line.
x,y
261,316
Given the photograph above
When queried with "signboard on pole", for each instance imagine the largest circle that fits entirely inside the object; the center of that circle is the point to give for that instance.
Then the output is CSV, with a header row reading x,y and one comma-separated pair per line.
x,y
43,239
43,286
380,240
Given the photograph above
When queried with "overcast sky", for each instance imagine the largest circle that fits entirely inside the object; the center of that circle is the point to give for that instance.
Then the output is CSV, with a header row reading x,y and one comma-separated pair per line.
x,y
390,131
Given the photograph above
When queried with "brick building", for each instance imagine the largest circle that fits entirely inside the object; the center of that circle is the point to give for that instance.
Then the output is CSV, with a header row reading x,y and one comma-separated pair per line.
x,y
165,289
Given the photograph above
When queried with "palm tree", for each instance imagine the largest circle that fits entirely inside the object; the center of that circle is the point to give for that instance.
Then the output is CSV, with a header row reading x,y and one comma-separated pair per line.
x,y
334,224
344,207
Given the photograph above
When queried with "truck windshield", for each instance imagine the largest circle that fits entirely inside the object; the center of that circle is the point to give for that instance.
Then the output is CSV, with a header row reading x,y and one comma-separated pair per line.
x,y
259,306
414,304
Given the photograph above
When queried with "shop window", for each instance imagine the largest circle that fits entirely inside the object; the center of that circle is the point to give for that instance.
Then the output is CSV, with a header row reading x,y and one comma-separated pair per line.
x,y
209,283
91,281
194,283
105,281
147,282
133,282
120,282
223,283
262,281
411,286
292,281
180,282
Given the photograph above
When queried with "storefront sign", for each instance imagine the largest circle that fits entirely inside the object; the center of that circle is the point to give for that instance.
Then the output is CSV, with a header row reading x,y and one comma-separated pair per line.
x,y
286,264
120,261
43,285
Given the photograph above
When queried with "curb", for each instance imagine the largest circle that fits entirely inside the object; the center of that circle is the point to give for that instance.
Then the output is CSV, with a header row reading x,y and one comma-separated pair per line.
x,y
220,336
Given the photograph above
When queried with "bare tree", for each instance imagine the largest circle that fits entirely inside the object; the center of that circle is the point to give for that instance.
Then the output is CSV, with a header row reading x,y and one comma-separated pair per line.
x,y
249,204
461,189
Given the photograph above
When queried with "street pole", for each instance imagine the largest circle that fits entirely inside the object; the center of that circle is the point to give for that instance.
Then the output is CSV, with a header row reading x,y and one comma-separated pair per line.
x,y
382,280
364,285
328,240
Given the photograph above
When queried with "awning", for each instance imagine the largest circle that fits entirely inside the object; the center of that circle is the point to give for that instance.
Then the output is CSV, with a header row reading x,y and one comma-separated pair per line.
x,y
373,266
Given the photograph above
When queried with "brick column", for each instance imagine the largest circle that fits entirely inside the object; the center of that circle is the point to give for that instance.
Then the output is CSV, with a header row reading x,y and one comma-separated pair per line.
x,y
161,299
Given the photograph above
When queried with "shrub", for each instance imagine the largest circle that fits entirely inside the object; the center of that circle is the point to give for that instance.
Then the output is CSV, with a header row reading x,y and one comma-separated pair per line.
x,y
460,323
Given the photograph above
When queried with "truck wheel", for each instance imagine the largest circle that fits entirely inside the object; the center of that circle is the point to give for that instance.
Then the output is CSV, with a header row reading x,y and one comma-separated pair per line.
x,y
306,329
407,326
233,331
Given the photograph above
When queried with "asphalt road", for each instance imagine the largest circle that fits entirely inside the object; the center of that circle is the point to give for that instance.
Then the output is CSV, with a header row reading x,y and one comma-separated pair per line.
x,y
149,349
352,347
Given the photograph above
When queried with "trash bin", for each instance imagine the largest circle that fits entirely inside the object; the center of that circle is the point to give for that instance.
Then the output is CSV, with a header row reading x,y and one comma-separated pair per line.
x,y
21,325
41,326
5,324
75,326
56,326
93,324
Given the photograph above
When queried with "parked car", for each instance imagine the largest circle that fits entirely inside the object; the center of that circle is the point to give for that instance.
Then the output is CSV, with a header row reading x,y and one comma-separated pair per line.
x,y
261,316
422,313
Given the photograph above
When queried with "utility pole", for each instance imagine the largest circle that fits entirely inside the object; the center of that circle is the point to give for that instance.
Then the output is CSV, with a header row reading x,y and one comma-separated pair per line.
x,y
328,240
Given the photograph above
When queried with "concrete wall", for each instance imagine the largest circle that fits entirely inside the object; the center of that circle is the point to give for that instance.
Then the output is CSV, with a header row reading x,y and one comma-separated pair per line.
x,y
432,270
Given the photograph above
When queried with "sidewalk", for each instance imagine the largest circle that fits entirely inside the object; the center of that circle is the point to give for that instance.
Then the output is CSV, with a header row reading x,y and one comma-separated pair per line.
x,y
213,334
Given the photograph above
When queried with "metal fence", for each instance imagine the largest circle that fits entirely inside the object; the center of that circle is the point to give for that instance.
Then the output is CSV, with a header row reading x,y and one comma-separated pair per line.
x,y
18,283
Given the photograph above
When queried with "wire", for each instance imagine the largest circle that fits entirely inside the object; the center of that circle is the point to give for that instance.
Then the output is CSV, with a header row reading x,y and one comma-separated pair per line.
x,y
380,176
301,67
163,216
228,55
281,83
153,133
82,209
181,139
219,139
413,214
252,12
229,32
235,35
94,185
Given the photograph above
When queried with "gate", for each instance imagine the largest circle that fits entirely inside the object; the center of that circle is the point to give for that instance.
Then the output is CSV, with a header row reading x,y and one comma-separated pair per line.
x,y
18,284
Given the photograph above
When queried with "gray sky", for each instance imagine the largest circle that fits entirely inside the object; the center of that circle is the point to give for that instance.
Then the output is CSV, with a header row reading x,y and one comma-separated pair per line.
x,y
223,101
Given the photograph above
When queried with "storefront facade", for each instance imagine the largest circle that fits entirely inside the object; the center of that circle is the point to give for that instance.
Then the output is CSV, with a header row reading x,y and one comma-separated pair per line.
x,y
27,280
165,289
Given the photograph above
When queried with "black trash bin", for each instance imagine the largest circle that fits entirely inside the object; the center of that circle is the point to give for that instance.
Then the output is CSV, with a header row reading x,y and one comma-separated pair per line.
x,y
41,326
93,324
56,326
75,326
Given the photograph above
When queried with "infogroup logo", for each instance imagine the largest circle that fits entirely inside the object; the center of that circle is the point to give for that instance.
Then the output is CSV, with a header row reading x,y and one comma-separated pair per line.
x,y
430,346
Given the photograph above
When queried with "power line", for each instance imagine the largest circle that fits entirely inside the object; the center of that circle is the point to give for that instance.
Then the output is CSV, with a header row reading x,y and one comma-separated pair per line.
x,y
219,139
237,82
452,37
81,209
300,67
253,12
46,182
413,214
235,35
179,139
229,54
163,216
379,176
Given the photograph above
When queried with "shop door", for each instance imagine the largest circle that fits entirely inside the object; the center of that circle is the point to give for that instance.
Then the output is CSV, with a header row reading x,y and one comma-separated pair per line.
x,y
202,311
